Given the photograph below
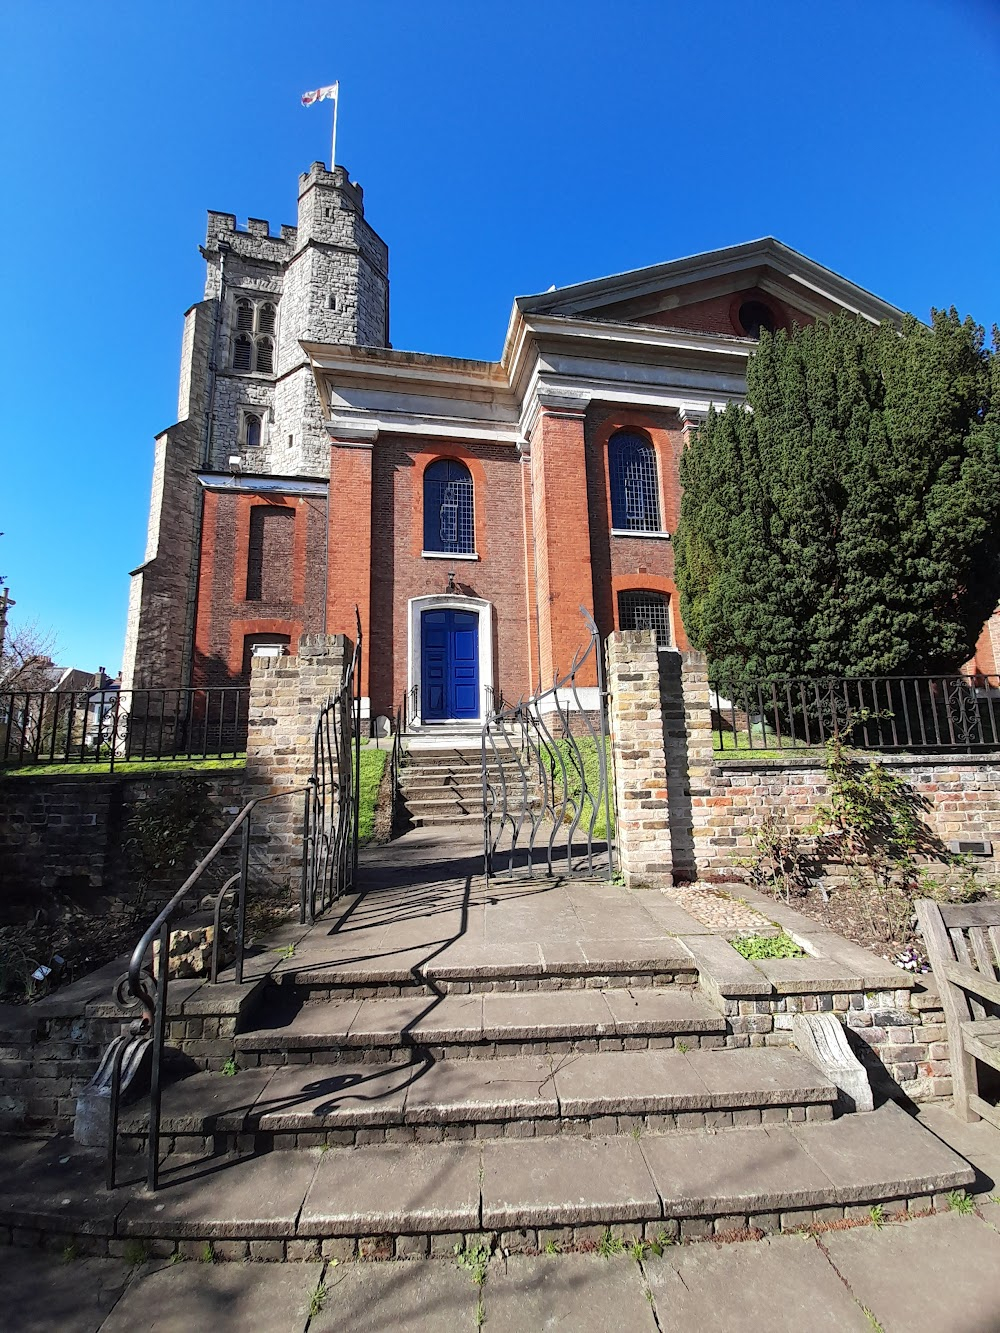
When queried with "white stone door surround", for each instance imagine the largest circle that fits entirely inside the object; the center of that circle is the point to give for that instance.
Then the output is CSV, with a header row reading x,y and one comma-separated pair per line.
x,y
416,606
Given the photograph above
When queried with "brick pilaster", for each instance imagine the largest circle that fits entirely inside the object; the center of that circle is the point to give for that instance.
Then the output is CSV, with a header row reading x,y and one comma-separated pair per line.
x,y
286,695
643,824
349,543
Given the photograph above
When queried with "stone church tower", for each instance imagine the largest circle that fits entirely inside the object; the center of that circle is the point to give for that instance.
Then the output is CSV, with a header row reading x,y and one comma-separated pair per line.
x,y
248,412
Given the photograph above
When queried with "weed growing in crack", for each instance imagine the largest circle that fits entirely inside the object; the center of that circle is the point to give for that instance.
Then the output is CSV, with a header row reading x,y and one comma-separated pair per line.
x,y
960,1202
876,1217
475,1259
136,1253
551,1247
230,1068
207,1255
660,1243
637,1249
176,1258
286,951
70,1252
480,1313
610,1244
872,1320
682,1046
637,1132
317,1299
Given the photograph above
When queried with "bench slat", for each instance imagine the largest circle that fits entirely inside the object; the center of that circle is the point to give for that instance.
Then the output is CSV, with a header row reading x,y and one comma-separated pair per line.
x,y
964,915
971,980
961,947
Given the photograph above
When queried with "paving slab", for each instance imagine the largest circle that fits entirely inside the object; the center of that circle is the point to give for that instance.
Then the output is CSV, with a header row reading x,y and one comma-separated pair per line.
x,y
222,1198
39,1292
884,1154
434,1296
633,1081
394,1189
780,1285
724,972
738,1171
202,1102
977,1141
313,1025
560,1180
306,1097
477,1090
57,1185
666,1009
637,955
769,1076
231,1298
940,1272
575,1293
534,1015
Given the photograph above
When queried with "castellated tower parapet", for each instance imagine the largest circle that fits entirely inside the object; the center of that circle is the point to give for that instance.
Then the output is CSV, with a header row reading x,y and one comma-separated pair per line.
x,y
327,280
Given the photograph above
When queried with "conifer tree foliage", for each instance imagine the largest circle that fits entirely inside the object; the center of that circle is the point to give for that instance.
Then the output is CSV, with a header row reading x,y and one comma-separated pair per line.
x,y
849,523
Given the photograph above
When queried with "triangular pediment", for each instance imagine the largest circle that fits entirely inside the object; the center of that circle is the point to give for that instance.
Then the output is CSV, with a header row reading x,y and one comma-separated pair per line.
x,y
716,292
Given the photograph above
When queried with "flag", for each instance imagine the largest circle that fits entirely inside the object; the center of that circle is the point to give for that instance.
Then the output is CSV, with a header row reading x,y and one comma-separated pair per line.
x,y
321,94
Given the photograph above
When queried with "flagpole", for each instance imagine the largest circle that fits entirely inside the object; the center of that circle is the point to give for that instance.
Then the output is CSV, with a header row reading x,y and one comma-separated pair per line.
x,y
333,141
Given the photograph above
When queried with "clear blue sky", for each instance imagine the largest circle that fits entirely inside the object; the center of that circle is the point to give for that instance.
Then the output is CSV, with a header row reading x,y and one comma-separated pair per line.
x,y
502,148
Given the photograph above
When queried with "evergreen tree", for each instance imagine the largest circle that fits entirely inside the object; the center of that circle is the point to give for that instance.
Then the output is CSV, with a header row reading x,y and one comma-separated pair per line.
x,y
849,523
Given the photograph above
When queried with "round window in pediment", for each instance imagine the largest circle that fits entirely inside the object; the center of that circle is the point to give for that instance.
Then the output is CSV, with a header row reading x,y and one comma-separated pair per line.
x,y
754,316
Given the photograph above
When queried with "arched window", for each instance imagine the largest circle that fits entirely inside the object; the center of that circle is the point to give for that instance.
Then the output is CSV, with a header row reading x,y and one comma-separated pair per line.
x,y
242,350
265,356
448,524
635,498
646,610
251,431
253,328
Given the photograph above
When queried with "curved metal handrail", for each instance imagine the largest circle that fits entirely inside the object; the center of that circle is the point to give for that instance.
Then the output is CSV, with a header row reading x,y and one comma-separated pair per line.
x,y
136,986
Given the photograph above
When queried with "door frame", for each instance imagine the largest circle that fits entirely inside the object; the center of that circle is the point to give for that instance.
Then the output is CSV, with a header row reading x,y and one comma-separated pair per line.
x,y
416,606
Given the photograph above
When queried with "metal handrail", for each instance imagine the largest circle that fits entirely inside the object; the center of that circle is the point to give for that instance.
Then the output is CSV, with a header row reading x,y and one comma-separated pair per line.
x,y
154,1004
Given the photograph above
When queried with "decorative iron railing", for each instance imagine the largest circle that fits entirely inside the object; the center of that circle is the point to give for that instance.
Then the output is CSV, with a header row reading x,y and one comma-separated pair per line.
x,y
334,810
114,726
894,713
545,775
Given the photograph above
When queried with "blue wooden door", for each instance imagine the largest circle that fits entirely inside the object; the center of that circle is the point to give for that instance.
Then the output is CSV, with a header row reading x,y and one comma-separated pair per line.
x,y
449,656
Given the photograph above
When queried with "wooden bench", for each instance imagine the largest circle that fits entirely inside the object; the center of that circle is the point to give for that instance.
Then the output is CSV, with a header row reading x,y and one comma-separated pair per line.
x,y
963,947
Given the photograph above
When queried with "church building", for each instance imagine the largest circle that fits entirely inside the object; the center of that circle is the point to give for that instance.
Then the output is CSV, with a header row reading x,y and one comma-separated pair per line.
x,y
468,509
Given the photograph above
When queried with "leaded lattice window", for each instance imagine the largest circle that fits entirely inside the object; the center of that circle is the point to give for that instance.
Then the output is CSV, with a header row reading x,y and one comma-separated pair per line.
x,y
448,517
635,490
646,610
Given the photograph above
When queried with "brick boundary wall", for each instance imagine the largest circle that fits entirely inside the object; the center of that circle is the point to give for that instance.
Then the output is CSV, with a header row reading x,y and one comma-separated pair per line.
x,y
713,806
65,833
286,696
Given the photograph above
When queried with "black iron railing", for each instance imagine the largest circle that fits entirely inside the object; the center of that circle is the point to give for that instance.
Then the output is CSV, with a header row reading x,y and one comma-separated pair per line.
x,y
545,774
115,726
147,980
895,713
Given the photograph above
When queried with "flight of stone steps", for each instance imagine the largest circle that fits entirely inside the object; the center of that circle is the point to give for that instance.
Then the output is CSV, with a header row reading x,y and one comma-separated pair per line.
x,y
398,1110
444,785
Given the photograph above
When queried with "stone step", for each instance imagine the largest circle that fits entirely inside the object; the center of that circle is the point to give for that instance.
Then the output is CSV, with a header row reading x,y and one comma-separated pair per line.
x,y
485,1025
455,817
605,1092
428,806
414,1200
467,966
